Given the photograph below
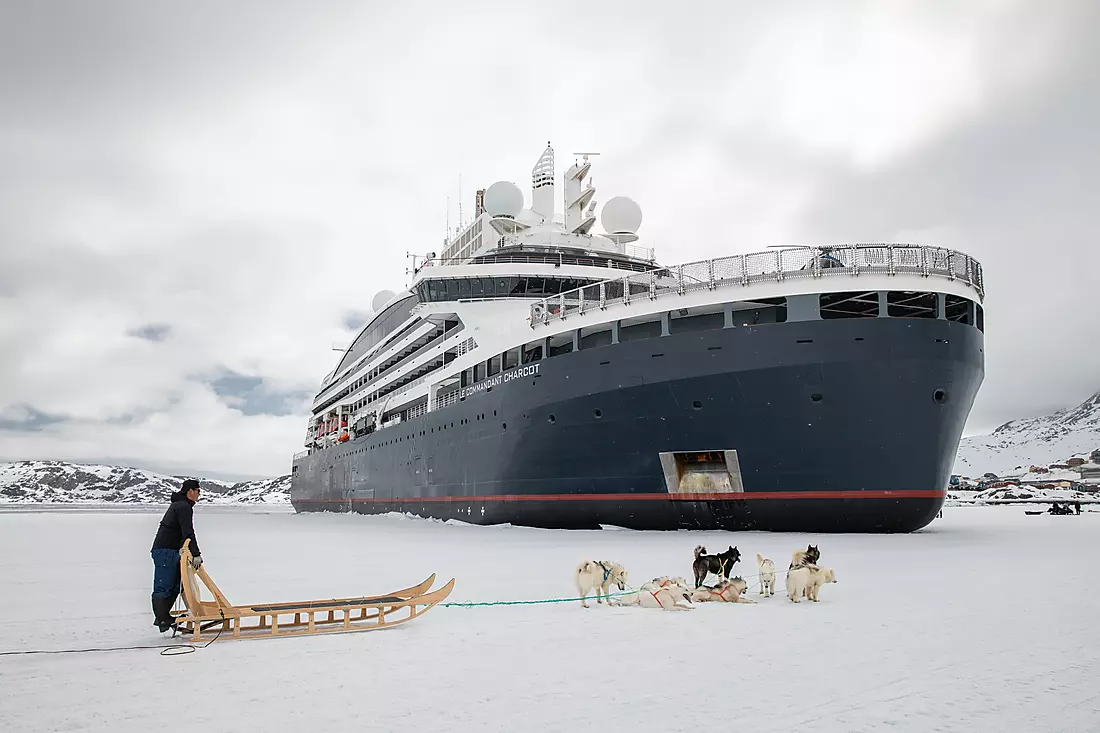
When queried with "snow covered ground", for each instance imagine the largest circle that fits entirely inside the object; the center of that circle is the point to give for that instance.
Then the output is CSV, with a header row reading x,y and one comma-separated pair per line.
x,y
985,621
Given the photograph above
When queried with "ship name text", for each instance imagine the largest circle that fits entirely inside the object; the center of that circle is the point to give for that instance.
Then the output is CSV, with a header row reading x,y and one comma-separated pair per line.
x,y
502,378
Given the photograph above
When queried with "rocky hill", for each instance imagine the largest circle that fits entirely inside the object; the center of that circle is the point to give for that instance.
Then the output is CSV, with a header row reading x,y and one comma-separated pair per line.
x,y
1054,438
60,482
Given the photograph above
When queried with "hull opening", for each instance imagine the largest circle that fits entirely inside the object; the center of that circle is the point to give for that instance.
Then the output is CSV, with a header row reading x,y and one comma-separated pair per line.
x,y
702,472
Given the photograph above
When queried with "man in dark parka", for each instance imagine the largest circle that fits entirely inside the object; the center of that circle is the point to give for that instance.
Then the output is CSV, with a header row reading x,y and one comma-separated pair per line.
x,y
176,525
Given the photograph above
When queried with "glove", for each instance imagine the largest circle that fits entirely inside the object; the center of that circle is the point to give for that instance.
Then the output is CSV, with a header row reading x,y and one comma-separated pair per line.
x,y
196,562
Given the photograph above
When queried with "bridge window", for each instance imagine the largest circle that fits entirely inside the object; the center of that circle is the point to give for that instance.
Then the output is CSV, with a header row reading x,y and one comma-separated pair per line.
x,y
849,305
499,287
910,304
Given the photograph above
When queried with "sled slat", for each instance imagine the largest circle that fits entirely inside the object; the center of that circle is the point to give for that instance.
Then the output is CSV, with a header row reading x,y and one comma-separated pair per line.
x,y
262,621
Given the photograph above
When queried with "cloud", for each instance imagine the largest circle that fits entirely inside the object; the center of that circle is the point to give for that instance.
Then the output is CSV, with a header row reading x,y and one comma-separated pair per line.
x,y
151,331
198,201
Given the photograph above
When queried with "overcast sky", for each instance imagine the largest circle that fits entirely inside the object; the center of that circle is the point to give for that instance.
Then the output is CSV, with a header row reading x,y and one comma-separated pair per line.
x,y
197,199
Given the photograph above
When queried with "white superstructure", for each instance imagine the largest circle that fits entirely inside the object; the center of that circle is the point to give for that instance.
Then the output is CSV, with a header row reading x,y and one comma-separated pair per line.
x,y
517,285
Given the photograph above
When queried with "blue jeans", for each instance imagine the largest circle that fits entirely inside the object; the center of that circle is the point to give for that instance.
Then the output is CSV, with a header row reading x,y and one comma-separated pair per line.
x,y
166,573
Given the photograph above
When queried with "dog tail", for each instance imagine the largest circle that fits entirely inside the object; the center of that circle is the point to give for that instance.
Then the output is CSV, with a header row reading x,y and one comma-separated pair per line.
x,y
759,560
699,550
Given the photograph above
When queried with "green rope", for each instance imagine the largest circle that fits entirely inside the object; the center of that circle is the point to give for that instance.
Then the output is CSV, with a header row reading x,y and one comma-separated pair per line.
x,y
470,604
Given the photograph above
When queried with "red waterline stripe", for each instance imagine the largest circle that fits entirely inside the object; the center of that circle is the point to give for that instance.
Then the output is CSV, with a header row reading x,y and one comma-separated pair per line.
x,y
739,496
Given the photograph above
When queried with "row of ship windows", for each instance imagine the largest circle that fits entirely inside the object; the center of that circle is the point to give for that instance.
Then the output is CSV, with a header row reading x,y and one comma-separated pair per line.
x,y
828,306
496,287
899,304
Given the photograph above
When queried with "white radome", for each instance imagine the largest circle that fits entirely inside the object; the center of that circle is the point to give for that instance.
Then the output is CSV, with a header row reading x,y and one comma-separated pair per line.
x,y
380,299
621,215
503,198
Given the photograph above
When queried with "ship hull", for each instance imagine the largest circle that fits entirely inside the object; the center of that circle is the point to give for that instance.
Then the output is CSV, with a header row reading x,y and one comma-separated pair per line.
x,y
837,426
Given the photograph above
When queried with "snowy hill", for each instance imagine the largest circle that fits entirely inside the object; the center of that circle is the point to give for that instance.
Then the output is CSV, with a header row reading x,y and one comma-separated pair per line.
x,y
1040,441
60,482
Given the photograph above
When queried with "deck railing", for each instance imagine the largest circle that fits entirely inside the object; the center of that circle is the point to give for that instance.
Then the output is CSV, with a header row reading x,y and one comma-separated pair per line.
x,y
774,266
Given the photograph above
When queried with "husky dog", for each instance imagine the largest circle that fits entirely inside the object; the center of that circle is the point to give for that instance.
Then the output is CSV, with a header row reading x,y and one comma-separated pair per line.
x,y
651,595
766,570
664,581
727,591
807,581
599,575
802,558
719,564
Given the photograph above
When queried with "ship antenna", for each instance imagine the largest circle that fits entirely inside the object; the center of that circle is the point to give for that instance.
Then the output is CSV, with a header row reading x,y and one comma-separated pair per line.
x,y
460,221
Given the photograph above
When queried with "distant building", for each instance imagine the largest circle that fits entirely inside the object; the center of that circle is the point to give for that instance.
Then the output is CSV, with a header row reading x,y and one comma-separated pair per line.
x,y
1095,456
1090,474
1075,461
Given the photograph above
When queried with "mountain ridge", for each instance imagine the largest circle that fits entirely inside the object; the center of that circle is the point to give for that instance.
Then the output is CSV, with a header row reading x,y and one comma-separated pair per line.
x,y
1072,432
61,482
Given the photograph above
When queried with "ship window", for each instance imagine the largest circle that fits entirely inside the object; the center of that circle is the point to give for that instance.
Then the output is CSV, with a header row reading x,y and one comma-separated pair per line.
x,y
910,304
468,289
518,286
639,331
849,305
599,338
957,309
511,358
769,310
613,290
701,322
494,365
564,347
981,321
532,353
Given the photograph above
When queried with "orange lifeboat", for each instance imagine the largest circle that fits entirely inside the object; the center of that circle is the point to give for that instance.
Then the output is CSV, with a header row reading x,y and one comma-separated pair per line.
x,y
343,438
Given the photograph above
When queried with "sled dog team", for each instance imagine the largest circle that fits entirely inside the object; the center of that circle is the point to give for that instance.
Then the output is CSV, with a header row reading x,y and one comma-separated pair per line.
x,y
804,580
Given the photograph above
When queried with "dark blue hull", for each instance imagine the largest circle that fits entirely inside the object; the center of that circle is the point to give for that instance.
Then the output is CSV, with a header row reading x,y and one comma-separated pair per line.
x,y
838,426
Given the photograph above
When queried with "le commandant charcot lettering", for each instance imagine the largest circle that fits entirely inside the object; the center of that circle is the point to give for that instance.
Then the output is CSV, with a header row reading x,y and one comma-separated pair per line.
x,y
502,378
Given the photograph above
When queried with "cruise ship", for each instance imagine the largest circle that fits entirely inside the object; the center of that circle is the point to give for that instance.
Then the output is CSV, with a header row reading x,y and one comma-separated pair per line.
x,y
544,372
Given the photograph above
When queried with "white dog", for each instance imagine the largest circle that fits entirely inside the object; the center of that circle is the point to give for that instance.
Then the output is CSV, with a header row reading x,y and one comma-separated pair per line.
x,y
652,595
599,575
807,581
665,581
766,569
728,591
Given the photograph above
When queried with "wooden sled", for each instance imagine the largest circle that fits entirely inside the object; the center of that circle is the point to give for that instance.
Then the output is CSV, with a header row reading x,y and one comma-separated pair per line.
x,y
205,619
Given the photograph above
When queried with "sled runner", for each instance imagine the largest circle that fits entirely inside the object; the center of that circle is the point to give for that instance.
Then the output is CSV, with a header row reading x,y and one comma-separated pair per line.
x,y
203,619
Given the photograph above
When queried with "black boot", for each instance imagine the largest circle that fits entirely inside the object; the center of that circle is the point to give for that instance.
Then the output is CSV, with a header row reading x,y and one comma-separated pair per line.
x,y
162,608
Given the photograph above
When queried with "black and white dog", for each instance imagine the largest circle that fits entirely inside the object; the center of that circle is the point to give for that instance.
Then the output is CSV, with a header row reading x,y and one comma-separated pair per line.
x,y
802,558
719,564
